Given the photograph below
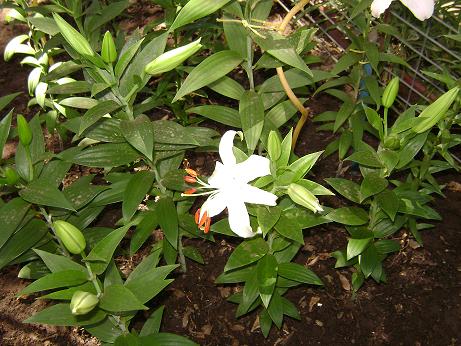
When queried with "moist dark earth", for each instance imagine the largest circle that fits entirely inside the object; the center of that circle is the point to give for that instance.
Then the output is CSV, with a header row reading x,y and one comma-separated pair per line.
x,y
420,304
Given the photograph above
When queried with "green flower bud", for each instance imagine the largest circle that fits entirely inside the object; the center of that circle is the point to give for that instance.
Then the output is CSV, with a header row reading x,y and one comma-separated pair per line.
x,y
24,131
436,111
71,236
390,93
11,175
274,146
302,196
108,51
392,142
172,59
83,302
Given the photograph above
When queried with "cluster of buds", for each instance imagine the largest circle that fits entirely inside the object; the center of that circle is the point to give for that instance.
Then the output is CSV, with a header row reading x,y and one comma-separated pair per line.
x,y
202,220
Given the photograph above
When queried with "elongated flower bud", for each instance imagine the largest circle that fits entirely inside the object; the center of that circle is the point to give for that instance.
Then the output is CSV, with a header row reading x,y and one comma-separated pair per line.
x,y
108,50
436,111
83,302
11,176
274,146
24,131
172,59
71,236
302,196
390,93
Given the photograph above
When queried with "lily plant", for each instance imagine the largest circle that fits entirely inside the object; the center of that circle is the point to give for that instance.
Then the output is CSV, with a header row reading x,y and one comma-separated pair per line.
x,y
228,187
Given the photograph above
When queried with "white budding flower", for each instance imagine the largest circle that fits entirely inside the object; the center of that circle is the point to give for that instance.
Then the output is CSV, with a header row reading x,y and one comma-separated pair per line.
x,y
422,9
228,187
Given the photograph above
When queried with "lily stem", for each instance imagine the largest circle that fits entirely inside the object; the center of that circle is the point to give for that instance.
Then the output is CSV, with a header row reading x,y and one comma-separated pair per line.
x,y
283,80
182,258
386,110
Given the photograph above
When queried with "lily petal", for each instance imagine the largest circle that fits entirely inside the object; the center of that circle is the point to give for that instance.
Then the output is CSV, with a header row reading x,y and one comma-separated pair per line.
x,y
226,148
254,167
239,220
378,7
214,205
251,194
422,9
220,177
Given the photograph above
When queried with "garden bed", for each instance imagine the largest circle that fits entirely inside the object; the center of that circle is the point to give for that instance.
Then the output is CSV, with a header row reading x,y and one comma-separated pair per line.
x,y
421,304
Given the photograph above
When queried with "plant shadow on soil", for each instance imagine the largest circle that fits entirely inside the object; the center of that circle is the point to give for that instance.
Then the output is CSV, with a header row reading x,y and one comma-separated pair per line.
x,y
420,304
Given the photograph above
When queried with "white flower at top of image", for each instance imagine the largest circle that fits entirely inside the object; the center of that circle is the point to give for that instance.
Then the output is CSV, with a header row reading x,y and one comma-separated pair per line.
x,y
228,187
422,9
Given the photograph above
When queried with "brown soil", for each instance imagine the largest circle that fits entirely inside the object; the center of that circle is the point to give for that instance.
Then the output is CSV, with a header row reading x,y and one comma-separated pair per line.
x,y
420,304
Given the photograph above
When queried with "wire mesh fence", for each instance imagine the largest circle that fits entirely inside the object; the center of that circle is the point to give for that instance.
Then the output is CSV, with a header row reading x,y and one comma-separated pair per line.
x,y
425,46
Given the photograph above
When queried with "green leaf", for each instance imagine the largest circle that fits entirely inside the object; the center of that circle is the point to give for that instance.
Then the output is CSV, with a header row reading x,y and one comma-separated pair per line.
x,y
368,260
11,215
81,192
275,309
193,254
106,155
357,246
228,87
298,169
43,194
102,253
247,252
118,298
290,57
251,111
250,295
299,273
389,202
22,241
235,276
97,112
5,125
166,339
372,184
134,77
136,190
346,188
352,216
152,325
58,263
147,286
209,70
76,87
73,37
366,158
140,134
268,217
168,220
44,24
220,114
60,315
196,9
143,230
56,280
266,271
386,246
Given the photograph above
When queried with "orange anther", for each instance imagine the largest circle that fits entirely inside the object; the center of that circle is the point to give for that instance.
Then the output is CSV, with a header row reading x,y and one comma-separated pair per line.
x,y
197,216
190,180
203,221
190,191
207,225
191,172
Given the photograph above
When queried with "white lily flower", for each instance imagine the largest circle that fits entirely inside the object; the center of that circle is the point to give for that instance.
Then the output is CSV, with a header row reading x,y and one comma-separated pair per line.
x,y
228,187
422,9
